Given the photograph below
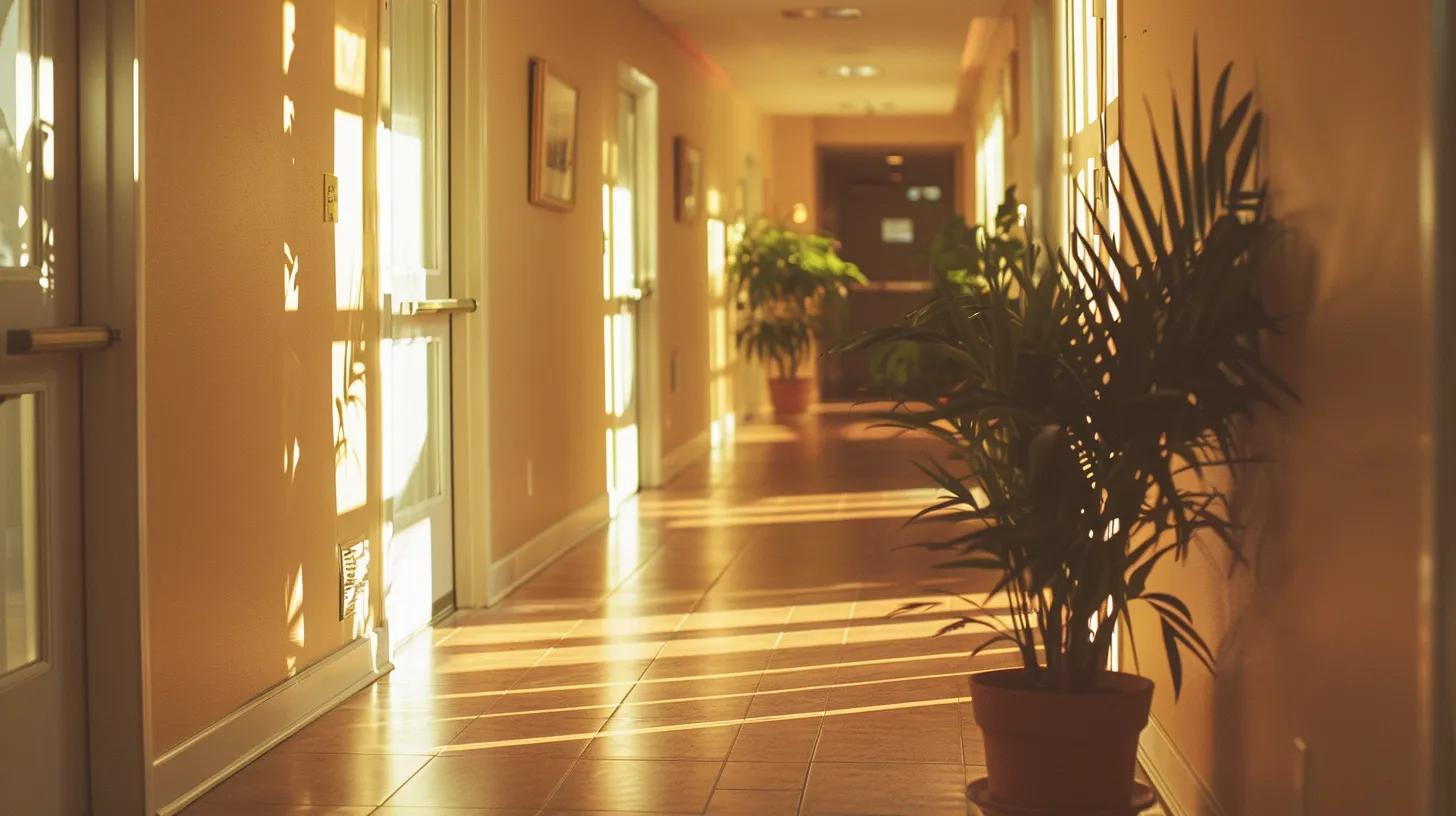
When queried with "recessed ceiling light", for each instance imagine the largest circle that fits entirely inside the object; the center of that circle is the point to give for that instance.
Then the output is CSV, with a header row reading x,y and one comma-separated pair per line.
x,y
854,71
823,13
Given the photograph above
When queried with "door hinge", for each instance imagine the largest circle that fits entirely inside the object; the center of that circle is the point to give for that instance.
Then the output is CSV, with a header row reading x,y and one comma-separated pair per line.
x,y
1099,9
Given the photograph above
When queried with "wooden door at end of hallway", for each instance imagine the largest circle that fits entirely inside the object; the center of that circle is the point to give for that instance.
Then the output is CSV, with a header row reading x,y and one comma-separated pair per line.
x,y
885,205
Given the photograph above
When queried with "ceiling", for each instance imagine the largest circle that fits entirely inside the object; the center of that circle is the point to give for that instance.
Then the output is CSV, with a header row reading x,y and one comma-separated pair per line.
x,y
787,66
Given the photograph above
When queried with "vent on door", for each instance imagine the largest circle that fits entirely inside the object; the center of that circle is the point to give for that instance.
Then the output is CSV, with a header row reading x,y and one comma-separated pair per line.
x,y
353,578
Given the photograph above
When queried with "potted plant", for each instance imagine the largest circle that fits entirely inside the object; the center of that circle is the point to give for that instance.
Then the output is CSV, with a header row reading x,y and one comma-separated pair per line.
x,y
782,281
1085,400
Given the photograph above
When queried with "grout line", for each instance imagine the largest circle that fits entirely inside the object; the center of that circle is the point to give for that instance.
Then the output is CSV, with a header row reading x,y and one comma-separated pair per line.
x,y
819,735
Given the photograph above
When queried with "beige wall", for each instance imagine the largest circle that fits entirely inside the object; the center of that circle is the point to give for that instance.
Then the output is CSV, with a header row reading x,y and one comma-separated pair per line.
x,y
243,509
546,269
241,514
797,140
1002,62
1319,639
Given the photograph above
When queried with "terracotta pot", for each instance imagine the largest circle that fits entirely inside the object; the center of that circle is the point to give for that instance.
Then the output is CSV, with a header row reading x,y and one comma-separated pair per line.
x,y
1057,752
791,396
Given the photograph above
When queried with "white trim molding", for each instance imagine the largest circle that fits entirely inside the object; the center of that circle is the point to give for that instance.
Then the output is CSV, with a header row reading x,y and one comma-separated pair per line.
x,y
189,770
1177,783
685,454
470,100
521,564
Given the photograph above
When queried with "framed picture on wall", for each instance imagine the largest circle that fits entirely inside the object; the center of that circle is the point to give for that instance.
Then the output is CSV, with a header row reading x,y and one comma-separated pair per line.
x,y
688,189
553,138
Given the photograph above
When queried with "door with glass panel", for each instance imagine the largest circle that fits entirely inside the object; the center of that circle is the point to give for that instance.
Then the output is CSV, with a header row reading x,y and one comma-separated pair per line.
x,y
419,574
623,292
42,640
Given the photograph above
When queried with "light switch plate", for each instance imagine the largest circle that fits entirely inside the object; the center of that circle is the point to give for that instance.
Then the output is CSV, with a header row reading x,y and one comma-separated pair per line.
x,y
331,198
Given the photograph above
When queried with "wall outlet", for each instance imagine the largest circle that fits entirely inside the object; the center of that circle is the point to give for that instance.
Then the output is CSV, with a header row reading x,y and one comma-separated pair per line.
x,y
1301,777
530,478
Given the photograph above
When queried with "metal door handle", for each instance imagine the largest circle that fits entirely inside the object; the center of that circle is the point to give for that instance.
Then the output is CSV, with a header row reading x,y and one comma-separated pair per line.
x,y
65,338
405,308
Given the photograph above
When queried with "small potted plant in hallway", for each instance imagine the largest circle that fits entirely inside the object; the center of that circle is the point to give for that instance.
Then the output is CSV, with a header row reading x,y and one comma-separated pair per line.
x,y
1088,404
783,280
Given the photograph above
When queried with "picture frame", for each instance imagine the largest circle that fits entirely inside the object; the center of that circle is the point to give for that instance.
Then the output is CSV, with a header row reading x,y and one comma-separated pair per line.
x,y
688,180
554,104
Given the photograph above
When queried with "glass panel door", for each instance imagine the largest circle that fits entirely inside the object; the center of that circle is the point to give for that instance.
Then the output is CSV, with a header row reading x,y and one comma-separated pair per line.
x,y
42,636
419,577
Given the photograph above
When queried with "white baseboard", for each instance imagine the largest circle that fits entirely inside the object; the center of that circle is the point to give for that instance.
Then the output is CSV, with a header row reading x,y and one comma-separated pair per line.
x,y
186,772
519,566
1181,789
685,454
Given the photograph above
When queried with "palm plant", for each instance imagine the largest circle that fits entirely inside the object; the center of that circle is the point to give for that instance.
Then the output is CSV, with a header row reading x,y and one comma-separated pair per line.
x,y
1085,397
782,280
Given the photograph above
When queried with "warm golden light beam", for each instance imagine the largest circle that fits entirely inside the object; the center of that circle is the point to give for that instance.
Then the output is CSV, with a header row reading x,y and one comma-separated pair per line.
x,y
881,661
662,729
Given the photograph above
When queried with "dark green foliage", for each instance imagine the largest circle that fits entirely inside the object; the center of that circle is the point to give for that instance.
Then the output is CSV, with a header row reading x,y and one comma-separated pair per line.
x,y
1084,397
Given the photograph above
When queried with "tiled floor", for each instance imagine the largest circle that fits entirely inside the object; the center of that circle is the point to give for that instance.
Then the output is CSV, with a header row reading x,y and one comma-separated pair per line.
x,y
722,648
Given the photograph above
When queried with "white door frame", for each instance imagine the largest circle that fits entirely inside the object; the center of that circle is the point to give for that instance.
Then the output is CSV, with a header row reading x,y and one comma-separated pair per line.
x,y
470,278
119,708
649,338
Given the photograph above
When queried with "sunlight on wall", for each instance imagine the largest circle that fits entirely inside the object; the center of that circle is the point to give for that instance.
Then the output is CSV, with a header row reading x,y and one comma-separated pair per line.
x,y
290,279
297,631
351,416
351,54
721,356
290,27
349,232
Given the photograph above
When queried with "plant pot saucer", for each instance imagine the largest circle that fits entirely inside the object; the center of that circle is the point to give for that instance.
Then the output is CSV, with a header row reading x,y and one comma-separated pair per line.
x,y
979,792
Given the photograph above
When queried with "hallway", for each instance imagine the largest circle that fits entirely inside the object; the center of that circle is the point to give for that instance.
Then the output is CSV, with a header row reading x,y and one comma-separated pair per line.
x,y
722,647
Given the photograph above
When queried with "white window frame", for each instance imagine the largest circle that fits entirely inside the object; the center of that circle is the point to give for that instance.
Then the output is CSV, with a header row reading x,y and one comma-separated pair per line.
x,y
1093,113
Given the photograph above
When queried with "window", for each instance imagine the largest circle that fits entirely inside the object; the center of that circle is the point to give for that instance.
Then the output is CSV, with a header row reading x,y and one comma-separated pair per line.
x,y
1093,114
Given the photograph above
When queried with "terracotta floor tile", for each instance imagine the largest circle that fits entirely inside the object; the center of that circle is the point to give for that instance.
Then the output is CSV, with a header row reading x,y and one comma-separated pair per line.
x,y
373,731
555,735
389,810
878,788
637,785
714,699
481,781
633,738
780,740
206,808
317,779
755,602
764,775
930,734
754,803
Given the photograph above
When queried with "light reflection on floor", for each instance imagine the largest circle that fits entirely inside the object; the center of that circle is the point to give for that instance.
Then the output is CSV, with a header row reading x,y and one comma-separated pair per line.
x,y
724,647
